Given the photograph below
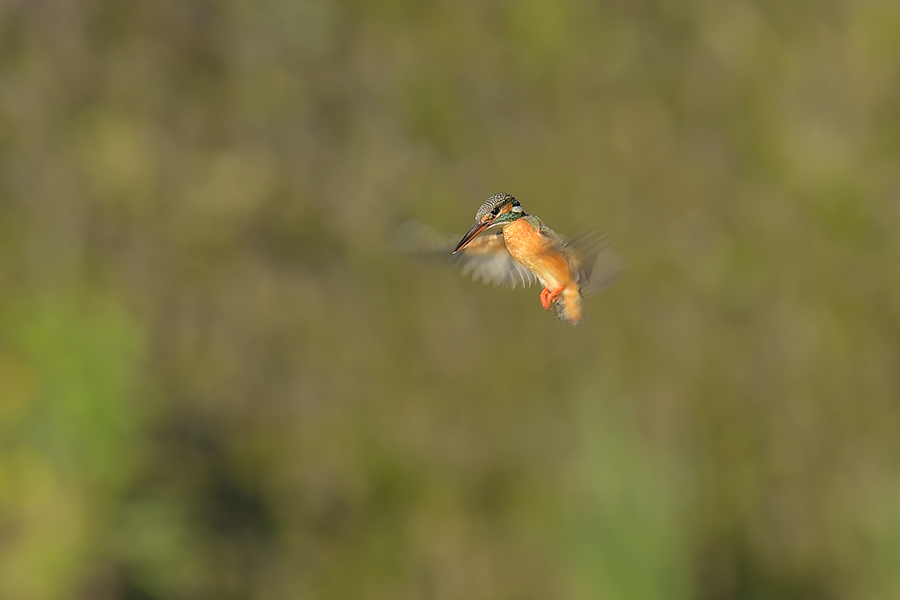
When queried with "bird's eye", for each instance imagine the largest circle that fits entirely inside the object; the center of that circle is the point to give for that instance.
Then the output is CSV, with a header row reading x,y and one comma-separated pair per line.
x,y
495,211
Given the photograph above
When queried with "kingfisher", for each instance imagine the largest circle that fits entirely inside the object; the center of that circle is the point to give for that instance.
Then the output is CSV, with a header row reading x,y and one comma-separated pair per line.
x,y
507,246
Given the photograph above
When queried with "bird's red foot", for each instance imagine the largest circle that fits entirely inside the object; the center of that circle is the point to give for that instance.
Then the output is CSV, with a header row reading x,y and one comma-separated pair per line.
x,y
548,297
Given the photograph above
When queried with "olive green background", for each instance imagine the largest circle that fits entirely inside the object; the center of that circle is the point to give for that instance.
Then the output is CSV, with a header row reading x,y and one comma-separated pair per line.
x,y
218,380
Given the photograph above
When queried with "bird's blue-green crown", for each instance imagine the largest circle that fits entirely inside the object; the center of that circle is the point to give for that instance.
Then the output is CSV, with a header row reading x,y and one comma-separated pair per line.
x,y
495,201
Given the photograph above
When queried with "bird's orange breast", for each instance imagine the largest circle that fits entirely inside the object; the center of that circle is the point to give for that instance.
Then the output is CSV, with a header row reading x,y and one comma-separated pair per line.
x,y
526,244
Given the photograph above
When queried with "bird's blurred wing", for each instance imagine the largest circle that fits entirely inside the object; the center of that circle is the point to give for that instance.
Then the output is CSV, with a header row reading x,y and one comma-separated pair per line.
x,y
485,258
594,262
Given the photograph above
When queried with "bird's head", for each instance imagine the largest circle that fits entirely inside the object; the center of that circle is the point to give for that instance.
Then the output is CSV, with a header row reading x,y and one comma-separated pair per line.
x,y
499,209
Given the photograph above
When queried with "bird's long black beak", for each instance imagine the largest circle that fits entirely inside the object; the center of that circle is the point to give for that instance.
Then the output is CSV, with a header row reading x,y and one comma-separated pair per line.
x,y
471,234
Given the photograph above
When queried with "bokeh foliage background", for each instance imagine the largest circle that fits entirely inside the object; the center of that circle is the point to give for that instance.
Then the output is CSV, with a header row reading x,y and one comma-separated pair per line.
x,y
217,379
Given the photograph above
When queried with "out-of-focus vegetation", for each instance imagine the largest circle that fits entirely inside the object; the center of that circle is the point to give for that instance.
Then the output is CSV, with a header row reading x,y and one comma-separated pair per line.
x,y
218,381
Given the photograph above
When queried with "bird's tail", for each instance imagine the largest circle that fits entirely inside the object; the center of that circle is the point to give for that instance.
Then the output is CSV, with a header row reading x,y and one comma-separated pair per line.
x,y
569,306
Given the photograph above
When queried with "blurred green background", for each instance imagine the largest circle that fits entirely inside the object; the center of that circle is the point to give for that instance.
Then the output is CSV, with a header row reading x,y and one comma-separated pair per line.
x,y
218,380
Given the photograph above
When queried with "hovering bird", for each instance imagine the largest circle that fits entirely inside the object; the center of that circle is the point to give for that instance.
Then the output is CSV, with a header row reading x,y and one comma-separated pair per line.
x,y
507,246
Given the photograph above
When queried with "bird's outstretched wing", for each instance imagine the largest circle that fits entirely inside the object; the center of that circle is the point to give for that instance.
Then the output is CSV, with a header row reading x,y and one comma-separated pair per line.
x,y
485,258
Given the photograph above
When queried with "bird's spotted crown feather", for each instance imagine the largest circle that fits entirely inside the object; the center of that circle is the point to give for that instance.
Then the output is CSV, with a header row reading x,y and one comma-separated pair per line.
x,y
493,202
